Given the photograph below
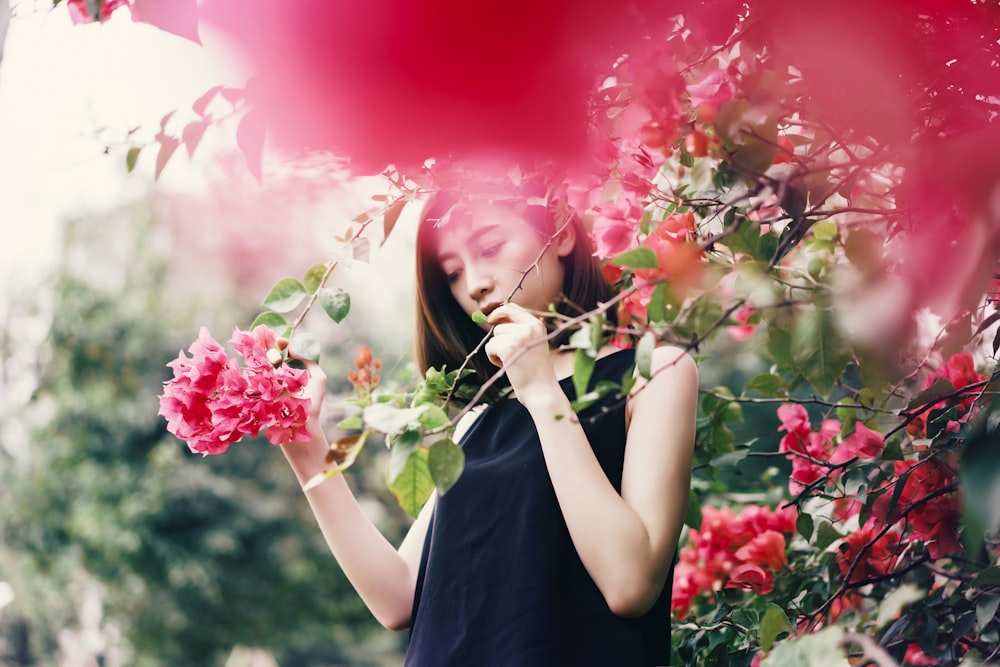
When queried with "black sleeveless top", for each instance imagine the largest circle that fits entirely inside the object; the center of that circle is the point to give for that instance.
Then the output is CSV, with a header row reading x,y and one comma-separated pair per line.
x,y
500,582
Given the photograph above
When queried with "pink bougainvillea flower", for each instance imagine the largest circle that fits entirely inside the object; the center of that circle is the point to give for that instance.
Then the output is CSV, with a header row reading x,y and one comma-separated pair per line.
x,y
864,443
915,657
794,419
742,331
753,577
80,10
400,81
766,550
615,230
713,88
212,401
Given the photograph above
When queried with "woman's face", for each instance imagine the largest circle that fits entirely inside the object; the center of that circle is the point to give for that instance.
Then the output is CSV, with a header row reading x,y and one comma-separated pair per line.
x,y
492,255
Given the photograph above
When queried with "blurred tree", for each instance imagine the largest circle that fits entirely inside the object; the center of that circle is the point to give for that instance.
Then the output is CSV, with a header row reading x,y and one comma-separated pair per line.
x,y
118,541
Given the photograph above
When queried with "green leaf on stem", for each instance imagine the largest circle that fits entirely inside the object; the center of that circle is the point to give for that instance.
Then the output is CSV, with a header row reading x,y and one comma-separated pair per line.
x,y
893,603
986,609
446,461
656,311
400,449
941,387
820,353
692,517
130,158
305,346
276,321
314,277
433,417
804,525
768,384
413,485
636,258
819,649
479,317
335,302
583,367
644,354
352,423
826,534
773,623
286,294
391,419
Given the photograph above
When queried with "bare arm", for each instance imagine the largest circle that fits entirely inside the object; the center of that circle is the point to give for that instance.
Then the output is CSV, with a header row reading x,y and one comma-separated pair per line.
x,y
384,577
626,541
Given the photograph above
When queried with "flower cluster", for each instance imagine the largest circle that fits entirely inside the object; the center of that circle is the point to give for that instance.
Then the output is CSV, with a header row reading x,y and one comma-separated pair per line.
x,y
366,377
814,454
960,370
731,551
212,401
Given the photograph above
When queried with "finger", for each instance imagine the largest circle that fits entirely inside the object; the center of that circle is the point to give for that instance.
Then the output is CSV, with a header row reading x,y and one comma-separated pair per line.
x,y
510,312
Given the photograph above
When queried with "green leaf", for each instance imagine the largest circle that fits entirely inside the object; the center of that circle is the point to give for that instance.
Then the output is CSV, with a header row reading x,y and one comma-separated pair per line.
x,y
131,157
335,302
314,277
804,525
352,423
988,577
433,417
304,346
819,649
820,354
893,603
986,610
940,387
285,295
692,516
636,258
772,386
400,450
413,485
656,311
773,623
825,230
392,419
479,317
826,535
644,354
446,461
276,321
583,367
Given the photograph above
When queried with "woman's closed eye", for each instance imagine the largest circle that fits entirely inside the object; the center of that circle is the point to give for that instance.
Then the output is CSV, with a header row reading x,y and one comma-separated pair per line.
x,y
492,250
452,276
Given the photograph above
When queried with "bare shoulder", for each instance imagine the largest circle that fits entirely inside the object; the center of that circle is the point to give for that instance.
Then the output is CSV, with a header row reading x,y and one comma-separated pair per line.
x,y
673,382
672,362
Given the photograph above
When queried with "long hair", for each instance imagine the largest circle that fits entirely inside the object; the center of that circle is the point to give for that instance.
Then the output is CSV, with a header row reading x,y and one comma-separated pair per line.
x,y
445,333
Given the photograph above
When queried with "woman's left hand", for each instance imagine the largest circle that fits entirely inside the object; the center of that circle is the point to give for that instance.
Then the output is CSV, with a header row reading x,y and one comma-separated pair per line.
x,y
519,346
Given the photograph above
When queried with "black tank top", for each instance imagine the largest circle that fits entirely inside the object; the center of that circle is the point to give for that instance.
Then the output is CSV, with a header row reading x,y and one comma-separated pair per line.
x,y
500,582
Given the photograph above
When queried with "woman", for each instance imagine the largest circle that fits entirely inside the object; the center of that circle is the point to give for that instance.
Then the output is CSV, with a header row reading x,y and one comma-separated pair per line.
x,y
555,546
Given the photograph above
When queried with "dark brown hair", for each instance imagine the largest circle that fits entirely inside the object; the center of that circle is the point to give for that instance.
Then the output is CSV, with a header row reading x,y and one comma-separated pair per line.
x,y
446,334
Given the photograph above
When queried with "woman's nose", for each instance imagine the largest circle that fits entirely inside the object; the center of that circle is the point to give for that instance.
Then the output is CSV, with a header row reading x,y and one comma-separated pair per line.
x,y
479,284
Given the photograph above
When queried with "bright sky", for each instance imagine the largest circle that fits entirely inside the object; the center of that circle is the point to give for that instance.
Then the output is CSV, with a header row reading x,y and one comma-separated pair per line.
x,y
68,91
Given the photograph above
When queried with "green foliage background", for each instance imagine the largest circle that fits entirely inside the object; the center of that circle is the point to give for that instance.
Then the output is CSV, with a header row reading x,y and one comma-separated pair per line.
x,y
188,557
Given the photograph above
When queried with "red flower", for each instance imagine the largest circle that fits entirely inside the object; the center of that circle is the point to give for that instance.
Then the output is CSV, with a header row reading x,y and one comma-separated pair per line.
x,y
876,560
766,550
751,576
915,657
